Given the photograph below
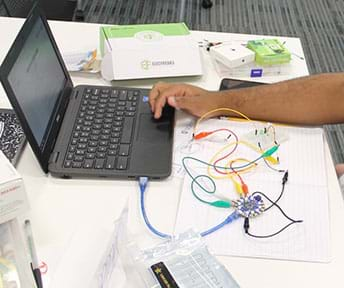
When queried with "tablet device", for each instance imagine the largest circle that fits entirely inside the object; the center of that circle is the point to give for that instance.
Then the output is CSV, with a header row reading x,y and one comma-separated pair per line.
x,y
228,83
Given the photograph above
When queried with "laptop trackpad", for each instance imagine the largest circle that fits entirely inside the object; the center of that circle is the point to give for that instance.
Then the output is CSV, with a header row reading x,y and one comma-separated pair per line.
x,y
152,130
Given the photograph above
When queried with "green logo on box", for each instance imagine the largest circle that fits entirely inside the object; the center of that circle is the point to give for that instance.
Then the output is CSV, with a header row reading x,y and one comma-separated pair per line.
x,y
145,64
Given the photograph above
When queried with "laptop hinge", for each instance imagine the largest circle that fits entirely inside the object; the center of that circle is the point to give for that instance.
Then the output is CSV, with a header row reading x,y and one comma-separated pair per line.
x,y
53,157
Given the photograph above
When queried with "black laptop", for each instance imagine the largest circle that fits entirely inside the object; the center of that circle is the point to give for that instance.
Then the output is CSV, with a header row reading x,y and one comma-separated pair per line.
x,y
83,131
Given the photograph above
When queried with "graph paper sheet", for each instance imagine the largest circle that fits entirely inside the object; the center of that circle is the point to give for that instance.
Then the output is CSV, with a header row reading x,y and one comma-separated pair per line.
x,y
305,197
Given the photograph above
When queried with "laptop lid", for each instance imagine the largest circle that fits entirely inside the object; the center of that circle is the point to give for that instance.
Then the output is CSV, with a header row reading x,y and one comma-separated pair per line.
x,y
39,87
30,79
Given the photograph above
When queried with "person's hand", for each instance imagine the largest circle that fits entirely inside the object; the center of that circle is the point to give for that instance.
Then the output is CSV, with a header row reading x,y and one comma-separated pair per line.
x,y
192,99
340,169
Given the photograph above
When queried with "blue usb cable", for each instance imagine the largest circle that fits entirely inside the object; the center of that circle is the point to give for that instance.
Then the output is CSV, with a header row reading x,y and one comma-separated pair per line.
x,y
143,181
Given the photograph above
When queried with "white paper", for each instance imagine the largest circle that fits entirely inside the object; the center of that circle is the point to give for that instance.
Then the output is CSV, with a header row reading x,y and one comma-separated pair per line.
x,y
183,145
81,61
305,198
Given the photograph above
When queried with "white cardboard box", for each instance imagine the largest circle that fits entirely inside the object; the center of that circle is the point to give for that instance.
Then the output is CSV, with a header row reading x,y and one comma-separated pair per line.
x,y
232,55
13,198
148,51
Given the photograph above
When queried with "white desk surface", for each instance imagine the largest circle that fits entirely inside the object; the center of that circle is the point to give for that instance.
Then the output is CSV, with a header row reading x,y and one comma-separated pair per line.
x,y
61,209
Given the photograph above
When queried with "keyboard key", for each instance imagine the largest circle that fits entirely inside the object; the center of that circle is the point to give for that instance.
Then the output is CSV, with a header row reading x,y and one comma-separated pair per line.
x,y
103,143
80,152
128,124
122,163
78,158
105,137
101,155
115,134
113,146
99,164
76,164
88,163
114,93
102,149
114,140
96,91
98,121
123,94
81,146
109,115
124,149
90,155
70,156
130,114
110,162
91,149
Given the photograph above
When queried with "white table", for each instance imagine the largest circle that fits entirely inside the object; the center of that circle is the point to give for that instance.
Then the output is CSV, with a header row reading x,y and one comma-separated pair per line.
x,y
65,211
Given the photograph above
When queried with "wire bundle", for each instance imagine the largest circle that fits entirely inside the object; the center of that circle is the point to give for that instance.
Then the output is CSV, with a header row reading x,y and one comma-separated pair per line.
x,y
247,205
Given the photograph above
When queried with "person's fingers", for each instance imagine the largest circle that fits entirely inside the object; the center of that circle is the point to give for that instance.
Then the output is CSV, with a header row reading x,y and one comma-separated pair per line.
x,y
158,106
160,101
155,92
180,96
172,102
340,169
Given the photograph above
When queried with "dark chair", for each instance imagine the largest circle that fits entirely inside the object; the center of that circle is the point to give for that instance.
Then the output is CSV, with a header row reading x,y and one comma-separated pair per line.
x,y
207,3
79,13
18,8
54,9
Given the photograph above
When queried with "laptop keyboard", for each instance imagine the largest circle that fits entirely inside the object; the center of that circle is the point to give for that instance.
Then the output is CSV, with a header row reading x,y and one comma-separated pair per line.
x,y
103,129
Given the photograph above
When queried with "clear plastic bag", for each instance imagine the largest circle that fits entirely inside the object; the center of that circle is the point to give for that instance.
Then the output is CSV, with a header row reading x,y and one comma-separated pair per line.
x,y
15,269
182,262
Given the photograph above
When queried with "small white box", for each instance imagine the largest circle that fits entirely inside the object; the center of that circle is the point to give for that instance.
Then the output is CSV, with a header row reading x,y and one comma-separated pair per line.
x,y
13,198
232,55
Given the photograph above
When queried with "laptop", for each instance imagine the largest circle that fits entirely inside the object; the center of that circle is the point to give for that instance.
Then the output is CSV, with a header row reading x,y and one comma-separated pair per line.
x,y
83,131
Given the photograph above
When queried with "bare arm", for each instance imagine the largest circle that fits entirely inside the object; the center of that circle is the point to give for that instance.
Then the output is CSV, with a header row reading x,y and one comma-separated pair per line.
x,y
310,100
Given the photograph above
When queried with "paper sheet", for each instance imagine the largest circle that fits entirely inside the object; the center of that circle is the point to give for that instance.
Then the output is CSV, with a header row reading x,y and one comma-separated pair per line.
x,y
305,198
182,141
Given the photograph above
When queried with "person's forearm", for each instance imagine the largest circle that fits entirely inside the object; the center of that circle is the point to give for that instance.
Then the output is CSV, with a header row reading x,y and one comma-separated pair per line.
x,y
313,100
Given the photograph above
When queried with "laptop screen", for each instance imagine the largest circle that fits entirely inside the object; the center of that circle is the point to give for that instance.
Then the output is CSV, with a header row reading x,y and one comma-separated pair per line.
x,y
37,80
